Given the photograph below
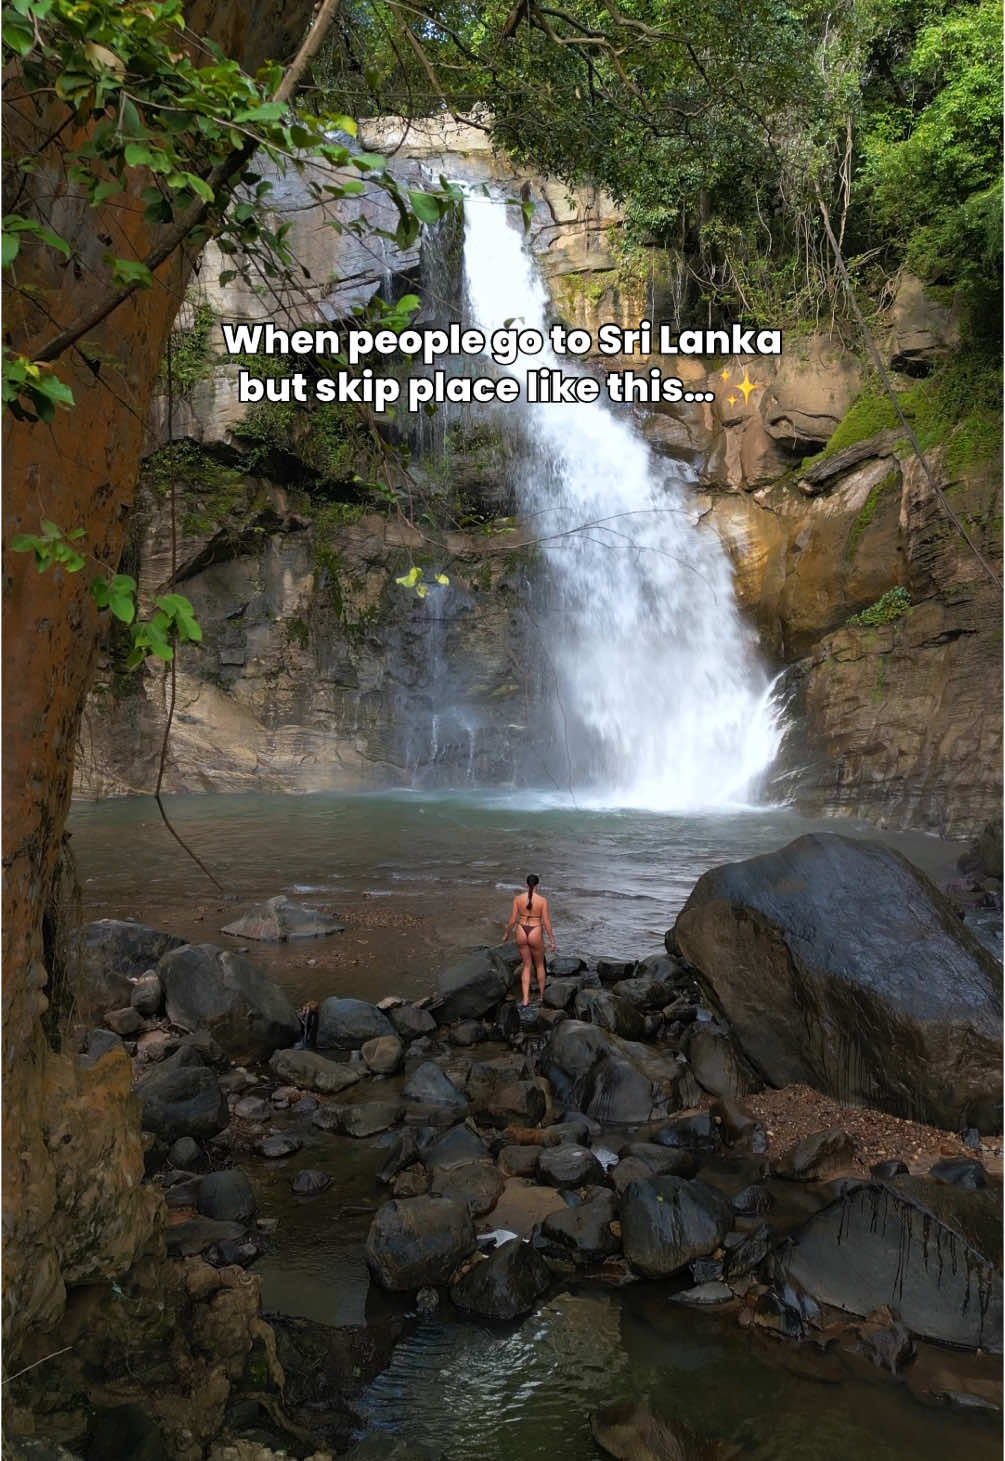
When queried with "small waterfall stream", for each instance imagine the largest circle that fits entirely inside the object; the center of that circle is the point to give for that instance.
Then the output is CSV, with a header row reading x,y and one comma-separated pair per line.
x,y
655,692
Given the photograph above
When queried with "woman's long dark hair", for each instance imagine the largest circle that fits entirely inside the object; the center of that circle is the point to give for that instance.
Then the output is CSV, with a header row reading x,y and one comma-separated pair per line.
x,y
532,882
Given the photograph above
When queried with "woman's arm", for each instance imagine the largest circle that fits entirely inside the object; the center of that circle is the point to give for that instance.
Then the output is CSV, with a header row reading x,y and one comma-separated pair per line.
x,y
512,921
547,924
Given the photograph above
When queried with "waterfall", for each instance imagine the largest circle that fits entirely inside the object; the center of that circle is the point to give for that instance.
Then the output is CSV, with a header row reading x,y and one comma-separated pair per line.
x,y
656,695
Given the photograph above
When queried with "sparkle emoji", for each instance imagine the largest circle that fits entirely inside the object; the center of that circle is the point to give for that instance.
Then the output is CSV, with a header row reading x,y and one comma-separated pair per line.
x,y
747,385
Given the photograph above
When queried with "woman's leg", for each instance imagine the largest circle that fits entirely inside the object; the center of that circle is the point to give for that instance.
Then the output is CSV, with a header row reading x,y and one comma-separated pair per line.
x,y
536,942
523,944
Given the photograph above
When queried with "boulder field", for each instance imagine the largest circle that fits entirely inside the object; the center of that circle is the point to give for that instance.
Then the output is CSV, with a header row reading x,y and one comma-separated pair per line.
x,y
521,1149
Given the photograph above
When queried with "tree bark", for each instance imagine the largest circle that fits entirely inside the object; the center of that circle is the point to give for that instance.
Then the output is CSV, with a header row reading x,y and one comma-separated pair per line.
x,y
80,471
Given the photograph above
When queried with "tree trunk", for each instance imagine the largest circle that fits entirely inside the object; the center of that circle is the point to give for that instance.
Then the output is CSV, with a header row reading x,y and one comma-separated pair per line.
x,y
65,1225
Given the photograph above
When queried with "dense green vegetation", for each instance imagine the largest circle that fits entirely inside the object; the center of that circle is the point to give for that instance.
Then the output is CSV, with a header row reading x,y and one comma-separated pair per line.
x,y
722,128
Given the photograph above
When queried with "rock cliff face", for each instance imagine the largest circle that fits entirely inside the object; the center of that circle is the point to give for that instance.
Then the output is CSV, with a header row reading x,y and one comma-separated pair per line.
x,y
319,672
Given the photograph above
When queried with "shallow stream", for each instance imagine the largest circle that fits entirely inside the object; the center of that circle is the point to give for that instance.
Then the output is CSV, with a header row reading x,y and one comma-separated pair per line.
x,y
420,878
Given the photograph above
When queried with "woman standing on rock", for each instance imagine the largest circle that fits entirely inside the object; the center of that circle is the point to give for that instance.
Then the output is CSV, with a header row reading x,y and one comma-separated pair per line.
x,y
530,918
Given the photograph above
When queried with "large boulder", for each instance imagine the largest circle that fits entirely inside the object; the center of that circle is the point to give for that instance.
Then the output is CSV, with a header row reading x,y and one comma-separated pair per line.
x,y
506,1284
417,1241
347,1024
667,1222
209,988
278,919
472,986
115,952
840,966
185,1101
876,1245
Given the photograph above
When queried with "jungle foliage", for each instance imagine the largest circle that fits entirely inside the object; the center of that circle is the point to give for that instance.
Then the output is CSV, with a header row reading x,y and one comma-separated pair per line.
x,y
721,128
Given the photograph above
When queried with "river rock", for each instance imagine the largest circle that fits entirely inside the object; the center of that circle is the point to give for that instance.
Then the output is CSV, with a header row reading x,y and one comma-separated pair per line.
x,y
696,1131
185,1153
518,1161
411,1023
312,1072
475,1185
384,1055
418,1240
646,991
183,1102
839,965
667,1222
449,1148
367,1118
252,1108
884,1171
472,986
504,1285
412,1182
429,1086
662,1161
876,1245
310,1182
559,993
198,1234
96,1044
568,1166
347,1024
752,1201
279,1144
610,1012
611,970
817,1157
115,952
278,919
226,1196
630,1431
213,989
517,1103
565,966
614,1081
966,1172
148,994
584,1232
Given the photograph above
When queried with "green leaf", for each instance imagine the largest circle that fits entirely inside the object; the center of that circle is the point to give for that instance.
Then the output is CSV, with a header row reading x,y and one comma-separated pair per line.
x,y
138,154
269,111
411,578
425,206
131,271
11,247
369,161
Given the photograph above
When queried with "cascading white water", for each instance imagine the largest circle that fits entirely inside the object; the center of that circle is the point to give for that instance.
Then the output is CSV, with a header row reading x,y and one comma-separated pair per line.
x,y
660,699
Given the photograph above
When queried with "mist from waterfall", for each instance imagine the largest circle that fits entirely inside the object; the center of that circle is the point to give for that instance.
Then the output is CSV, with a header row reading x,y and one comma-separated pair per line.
x,y
656,691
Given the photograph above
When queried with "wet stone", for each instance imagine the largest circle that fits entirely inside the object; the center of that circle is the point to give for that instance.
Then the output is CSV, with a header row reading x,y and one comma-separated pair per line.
x,y
966,1172
367,1118
252,1108
752,1201
283,1145
885,1170
817,1157
309,1183
568,1166
704,1295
